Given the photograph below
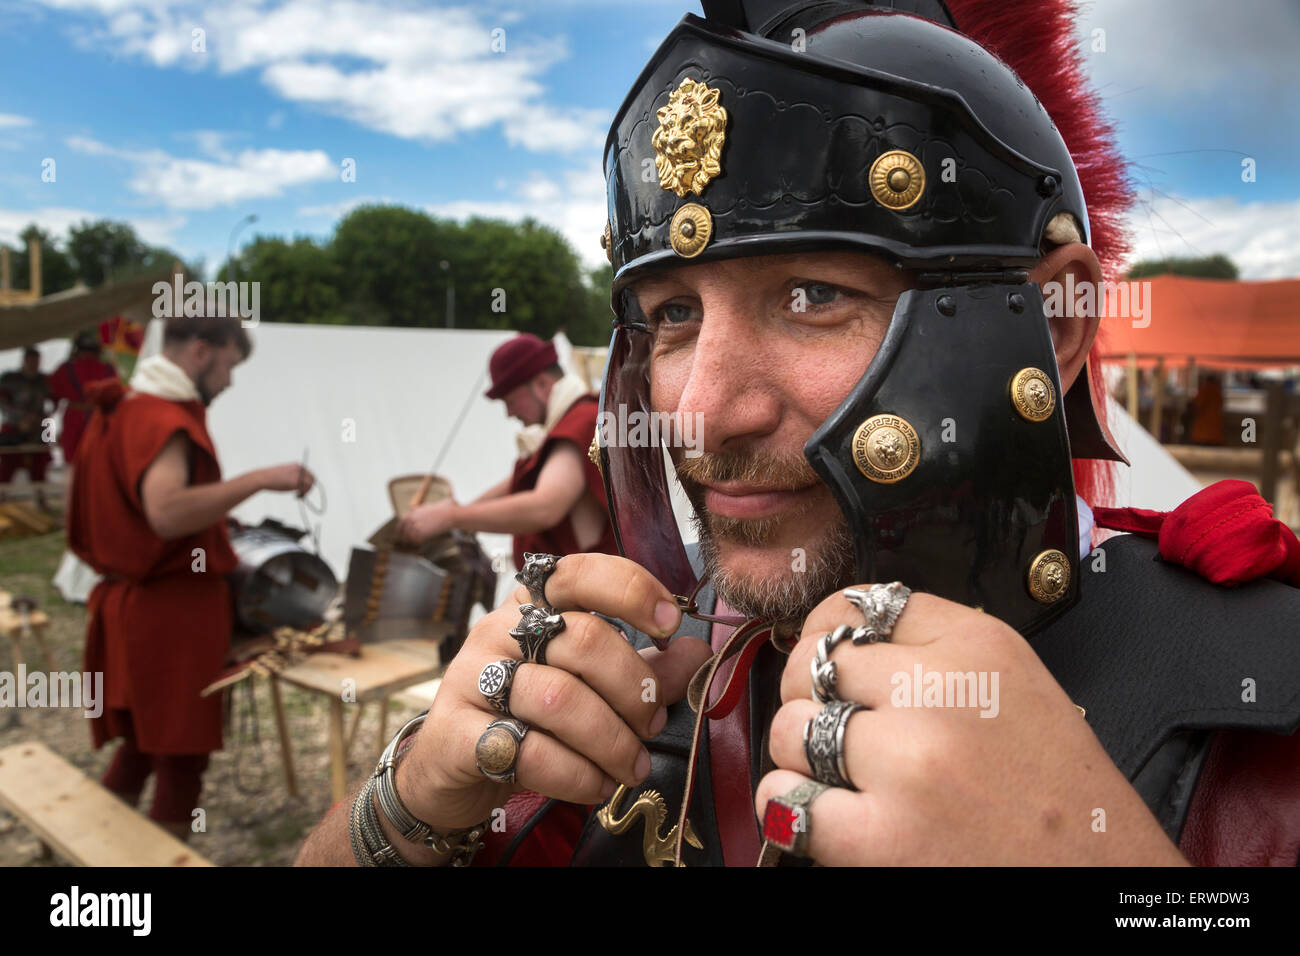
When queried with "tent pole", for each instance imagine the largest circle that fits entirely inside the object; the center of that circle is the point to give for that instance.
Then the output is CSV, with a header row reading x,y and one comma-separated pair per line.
x,y
1133,385
1158,393
1271,440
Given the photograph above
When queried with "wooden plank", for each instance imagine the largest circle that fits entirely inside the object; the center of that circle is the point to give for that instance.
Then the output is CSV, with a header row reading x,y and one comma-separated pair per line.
x,y
1246,462
11,623
380,670
82,821
26,517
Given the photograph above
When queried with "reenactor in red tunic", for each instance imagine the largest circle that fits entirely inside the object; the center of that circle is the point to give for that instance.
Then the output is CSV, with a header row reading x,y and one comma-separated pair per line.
x,y
148,511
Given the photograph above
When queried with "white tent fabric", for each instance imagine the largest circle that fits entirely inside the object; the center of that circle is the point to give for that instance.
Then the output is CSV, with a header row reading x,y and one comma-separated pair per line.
x,y
53,354
364,405
1155,478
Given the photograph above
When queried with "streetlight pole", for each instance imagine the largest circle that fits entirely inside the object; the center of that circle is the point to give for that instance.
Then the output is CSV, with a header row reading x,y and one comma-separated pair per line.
x,y
451,294
246,221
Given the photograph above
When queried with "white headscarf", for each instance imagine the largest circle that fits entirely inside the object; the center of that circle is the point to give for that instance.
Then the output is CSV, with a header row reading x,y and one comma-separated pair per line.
x,y
162,377
564,393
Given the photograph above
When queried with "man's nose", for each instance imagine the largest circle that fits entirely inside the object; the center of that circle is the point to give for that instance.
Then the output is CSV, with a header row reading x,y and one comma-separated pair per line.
x,y
728,385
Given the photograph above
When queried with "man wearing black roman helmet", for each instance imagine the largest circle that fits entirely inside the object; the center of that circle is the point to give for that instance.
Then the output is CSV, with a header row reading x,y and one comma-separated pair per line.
x,y
840,267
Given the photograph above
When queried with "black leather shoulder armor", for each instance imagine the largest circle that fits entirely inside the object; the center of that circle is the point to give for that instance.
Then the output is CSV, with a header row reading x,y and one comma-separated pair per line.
x,y
1160,658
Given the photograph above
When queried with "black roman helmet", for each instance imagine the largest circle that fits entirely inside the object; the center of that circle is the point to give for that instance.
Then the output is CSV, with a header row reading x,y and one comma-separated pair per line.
x,y
771,126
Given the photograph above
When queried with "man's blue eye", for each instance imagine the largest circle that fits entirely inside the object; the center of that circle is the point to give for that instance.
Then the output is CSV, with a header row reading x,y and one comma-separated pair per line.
x,y
675,313
819,293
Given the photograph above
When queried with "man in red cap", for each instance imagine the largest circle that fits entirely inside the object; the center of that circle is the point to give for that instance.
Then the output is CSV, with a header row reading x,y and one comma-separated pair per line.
x,y
554,501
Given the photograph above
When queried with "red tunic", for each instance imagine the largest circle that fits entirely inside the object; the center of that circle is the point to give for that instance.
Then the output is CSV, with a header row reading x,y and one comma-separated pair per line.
x,y
71,382
159,626
577,425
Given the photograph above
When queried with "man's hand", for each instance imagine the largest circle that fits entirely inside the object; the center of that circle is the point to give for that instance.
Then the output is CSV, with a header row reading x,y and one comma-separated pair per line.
x,y
174,508
428,521
287,477
1018,778
588,708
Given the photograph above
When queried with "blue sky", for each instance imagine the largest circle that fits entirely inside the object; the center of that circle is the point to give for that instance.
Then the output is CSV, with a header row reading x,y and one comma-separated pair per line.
x,y
184,142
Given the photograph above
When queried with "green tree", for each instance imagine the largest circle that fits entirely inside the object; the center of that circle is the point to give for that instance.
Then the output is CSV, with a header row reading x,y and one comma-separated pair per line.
x,y
298,281
524,277
596,324
57,271
1207,267
387,260
104,249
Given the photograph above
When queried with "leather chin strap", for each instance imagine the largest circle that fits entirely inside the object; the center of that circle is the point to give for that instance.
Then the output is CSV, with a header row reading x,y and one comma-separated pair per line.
x,y
744,644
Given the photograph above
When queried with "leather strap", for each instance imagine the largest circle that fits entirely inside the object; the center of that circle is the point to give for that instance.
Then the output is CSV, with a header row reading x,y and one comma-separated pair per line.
x,y
729,758
750,633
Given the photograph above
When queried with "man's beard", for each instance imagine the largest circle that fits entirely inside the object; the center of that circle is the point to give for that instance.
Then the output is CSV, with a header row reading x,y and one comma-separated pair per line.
x,y
201,383
829,561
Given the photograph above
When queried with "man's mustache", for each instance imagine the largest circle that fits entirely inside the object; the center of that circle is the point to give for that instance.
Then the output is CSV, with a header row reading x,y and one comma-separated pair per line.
x,y
784,471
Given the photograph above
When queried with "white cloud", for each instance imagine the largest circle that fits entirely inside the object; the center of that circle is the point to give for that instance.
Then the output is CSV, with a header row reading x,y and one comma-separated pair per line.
x,y
419,73
1182,48
180,183
337,210
155,230
1262,238
11,120
573,204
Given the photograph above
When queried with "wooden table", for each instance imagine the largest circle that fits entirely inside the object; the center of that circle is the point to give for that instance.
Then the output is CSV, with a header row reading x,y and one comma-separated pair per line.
x,y
383,669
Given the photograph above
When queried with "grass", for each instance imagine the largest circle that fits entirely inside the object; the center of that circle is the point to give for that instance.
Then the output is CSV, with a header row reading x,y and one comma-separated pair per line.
x,y
250,818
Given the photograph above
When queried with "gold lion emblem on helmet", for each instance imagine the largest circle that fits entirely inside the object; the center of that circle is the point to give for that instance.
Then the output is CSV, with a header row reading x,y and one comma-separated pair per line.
x,y
688,142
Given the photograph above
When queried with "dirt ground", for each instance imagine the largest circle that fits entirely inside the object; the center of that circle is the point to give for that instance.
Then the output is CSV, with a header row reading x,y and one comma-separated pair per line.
x,y
250,818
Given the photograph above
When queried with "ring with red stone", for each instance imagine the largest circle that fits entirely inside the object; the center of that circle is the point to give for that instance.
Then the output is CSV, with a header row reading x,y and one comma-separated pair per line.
x,y
787,819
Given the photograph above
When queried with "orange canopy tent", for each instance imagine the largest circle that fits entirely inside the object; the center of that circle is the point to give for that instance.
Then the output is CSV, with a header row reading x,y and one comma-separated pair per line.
x,y
1217,323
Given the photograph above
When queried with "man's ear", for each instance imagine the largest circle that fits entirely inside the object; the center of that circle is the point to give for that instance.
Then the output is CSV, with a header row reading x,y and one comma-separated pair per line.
x,y
1072,330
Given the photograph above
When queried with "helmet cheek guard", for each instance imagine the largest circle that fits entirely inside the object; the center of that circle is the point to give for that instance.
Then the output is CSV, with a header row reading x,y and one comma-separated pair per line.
x,y
949,469
898,137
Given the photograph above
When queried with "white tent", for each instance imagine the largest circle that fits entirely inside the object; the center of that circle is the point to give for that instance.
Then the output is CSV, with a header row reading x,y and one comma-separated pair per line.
x,y
363,405
53,354
1156,479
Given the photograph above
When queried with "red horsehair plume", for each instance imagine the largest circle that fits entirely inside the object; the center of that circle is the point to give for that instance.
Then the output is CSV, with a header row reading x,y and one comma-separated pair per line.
x,y
1036,38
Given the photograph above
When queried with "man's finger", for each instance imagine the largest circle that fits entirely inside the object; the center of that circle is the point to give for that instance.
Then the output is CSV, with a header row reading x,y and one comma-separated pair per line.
x,y
838,822
925,618
612,585
544,764
675,667
863,672
862,759
592,650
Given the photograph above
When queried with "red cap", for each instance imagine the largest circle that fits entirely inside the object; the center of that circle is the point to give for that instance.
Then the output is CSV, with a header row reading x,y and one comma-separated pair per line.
x,y
516,361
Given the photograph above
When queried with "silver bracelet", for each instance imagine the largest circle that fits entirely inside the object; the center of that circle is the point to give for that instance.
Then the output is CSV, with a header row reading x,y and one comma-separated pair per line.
x,y
412,829
457,847
359,850
369,844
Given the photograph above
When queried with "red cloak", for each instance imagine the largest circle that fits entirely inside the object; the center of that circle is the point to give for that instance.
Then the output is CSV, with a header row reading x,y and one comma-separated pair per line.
x,y
159,623
71,381
577,425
